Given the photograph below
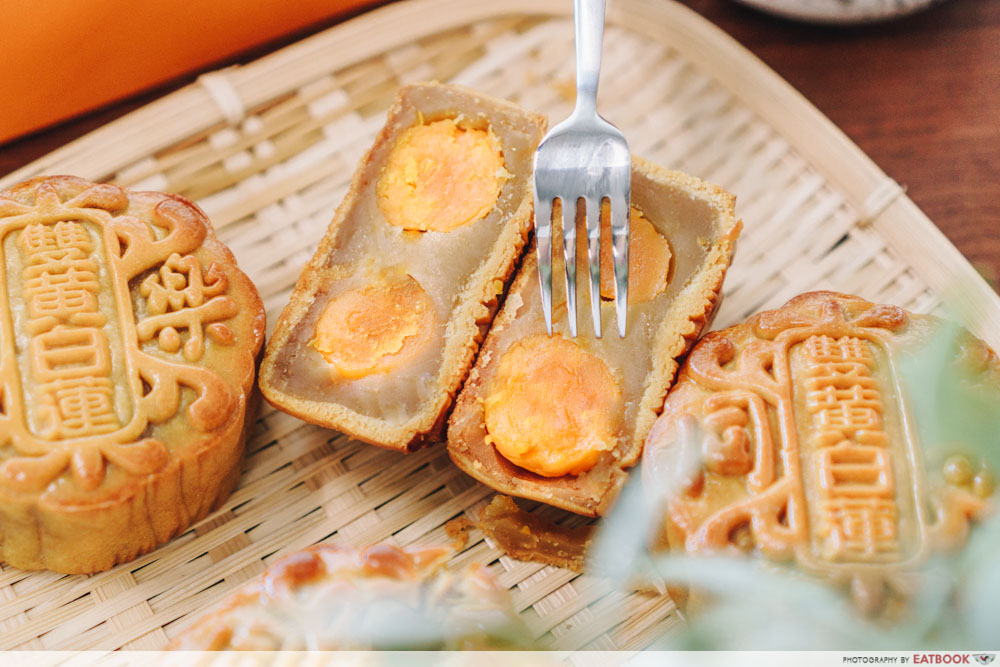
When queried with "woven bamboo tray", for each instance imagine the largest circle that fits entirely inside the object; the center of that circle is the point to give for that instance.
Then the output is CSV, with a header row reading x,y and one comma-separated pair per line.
x,y
268,149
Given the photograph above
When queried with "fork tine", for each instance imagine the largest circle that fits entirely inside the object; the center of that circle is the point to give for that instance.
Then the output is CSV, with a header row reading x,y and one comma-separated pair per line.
x,y
594,260
568,210
619,237
543,241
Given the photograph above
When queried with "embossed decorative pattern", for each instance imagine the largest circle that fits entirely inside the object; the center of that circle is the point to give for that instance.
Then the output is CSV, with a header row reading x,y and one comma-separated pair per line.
x,y
810,450
84,389
858,514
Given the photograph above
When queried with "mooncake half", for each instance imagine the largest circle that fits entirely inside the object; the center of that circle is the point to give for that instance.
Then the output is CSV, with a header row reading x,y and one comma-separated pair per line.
x,y
386,597
129,341
795,437
387,317
560,420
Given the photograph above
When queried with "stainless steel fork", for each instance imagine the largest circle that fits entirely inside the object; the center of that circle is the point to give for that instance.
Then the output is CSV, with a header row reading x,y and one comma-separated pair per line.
x,y
584,157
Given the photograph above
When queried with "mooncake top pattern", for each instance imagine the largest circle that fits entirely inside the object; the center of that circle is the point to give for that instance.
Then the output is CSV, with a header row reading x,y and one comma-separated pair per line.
x,y
127,334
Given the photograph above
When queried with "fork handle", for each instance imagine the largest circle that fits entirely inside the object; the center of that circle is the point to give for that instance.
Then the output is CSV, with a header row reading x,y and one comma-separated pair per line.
x,y
589,19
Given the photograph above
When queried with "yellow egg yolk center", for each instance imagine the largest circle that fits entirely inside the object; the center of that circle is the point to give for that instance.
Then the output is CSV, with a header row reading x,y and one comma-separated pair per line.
x,y
375,328
440,176
552,408
648,258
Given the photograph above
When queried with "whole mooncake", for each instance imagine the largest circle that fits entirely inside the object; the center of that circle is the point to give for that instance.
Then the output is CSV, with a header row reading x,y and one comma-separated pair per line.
x,y
795,436
128,341
328,598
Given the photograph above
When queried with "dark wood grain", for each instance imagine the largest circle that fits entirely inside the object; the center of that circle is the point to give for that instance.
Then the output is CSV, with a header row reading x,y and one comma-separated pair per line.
x,y
920,95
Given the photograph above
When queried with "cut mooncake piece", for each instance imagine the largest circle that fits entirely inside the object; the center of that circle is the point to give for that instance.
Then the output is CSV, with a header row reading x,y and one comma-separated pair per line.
x,y
387,317
560,420
383,597
794,436
128,347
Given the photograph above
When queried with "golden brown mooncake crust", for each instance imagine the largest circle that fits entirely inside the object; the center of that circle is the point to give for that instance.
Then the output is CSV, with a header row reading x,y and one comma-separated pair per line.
x,y
467,318
300,601
801,445
526,536
129,340
703,215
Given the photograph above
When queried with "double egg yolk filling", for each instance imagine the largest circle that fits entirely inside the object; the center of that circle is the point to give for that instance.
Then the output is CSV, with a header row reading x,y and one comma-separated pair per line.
x,y
376,328
440,176
552,408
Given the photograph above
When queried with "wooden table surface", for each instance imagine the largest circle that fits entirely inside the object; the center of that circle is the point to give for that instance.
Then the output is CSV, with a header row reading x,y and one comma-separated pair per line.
x,y
920,95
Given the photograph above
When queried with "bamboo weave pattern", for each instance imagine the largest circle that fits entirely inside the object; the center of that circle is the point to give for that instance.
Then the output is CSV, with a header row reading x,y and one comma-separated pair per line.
x,y
270,178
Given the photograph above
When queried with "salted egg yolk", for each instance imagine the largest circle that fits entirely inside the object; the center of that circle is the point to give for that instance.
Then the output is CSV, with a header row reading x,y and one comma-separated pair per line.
x,y
439,176
648,258
375,328
552,407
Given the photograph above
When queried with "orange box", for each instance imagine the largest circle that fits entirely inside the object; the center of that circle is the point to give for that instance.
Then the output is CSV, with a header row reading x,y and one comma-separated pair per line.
x,y
59,58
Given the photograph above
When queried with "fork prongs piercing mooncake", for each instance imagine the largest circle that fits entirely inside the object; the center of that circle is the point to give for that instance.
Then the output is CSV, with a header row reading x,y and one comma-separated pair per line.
x,y
561,419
